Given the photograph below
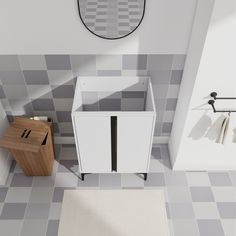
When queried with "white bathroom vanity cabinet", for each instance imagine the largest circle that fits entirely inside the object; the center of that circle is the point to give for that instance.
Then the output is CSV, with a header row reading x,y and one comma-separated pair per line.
x,y
113,121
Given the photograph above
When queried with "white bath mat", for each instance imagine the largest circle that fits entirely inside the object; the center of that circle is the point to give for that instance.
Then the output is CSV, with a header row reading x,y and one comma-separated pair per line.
x,y
113,213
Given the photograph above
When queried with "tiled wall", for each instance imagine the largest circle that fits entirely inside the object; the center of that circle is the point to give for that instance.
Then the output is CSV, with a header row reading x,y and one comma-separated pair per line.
x,y
44,85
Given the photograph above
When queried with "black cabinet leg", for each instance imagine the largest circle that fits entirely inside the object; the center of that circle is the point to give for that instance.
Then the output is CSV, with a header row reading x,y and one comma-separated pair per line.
x,y
82,176
145,176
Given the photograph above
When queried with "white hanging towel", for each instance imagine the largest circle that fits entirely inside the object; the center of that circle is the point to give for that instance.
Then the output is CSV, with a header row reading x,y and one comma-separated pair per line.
x,y
223,130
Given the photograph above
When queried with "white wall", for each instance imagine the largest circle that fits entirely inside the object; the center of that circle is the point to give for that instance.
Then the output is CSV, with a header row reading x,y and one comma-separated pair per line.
x,y
54,27
5,159
193,147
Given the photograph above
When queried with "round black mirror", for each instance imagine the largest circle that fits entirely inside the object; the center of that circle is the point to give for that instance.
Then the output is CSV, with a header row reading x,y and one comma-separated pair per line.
x,y
111,19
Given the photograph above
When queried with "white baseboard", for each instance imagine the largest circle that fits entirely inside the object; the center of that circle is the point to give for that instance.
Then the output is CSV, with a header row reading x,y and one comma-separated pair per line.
x,y
71,140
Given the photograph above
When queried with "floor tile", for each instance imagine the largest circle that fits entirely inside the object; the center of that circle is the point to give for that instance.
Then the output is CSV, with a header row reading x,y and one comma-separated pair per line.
x,y
156,152
68,154
58,194
66,180
175,178
55,211
156,166
109,180
10,227
3,193
21,180
34,227
201,194
52,229
227,210
132,181
13,211
220,179
224,194
210,227
43,181
232,175
198,179
155,179
1,206
205,210
68,166
179,194
181,211
229,226
37,211
41,195
185,227
16,194
90,180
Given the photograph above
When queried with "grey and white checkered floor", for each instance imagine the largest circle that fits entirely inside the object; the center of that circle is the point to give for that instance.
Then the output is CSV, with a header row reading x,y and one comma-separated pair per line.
x,y
198,203
111,18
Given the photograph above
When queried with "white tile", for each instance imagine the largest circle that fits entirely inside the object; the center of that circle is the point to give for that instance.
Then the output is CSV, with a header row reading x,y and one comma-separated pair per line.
x,y
224,194
198,179
66,180
16,194
229,227
109,62
205,210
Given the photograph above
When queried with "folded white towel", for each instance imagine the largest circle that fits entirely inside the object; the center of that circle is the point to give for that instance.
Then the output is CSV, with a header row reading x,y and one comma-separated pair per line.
x,y
223,130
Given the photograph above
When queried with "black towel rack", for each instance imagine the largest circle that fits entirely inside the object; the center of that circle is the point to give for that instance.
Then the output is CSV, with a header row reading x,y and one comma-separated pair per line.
x,y
212,102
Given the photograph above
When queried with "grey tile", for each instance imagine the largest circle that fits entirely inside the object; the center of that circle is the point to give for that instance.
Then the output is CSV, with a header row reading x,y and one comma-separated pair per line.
x,y
32,62
37,211
3,193
176,77
132,181
55,211
227,210
63,104
134,62
2,94
66,128
133,94
43,104
83,63
91,107
233,177
201,194
63,91
36,77
220,179
15,91
16,194
51,114
43,181
68,166
160,62
171,104
110,104
12,77
155,179
11,227
110,180
185,227
52,229
58,62
9,62
210,227
90,180
181,211
41,195
64,116
160,77
166,127
132,104
34,227
58,194
156,152
13,211
178,62
175,178
109,72
20,180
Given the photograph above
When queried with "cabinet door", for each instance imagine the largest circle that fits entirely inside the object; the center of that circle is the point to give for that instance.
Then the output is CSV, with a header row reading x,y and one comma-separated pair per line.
x,y
134,137
93,137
